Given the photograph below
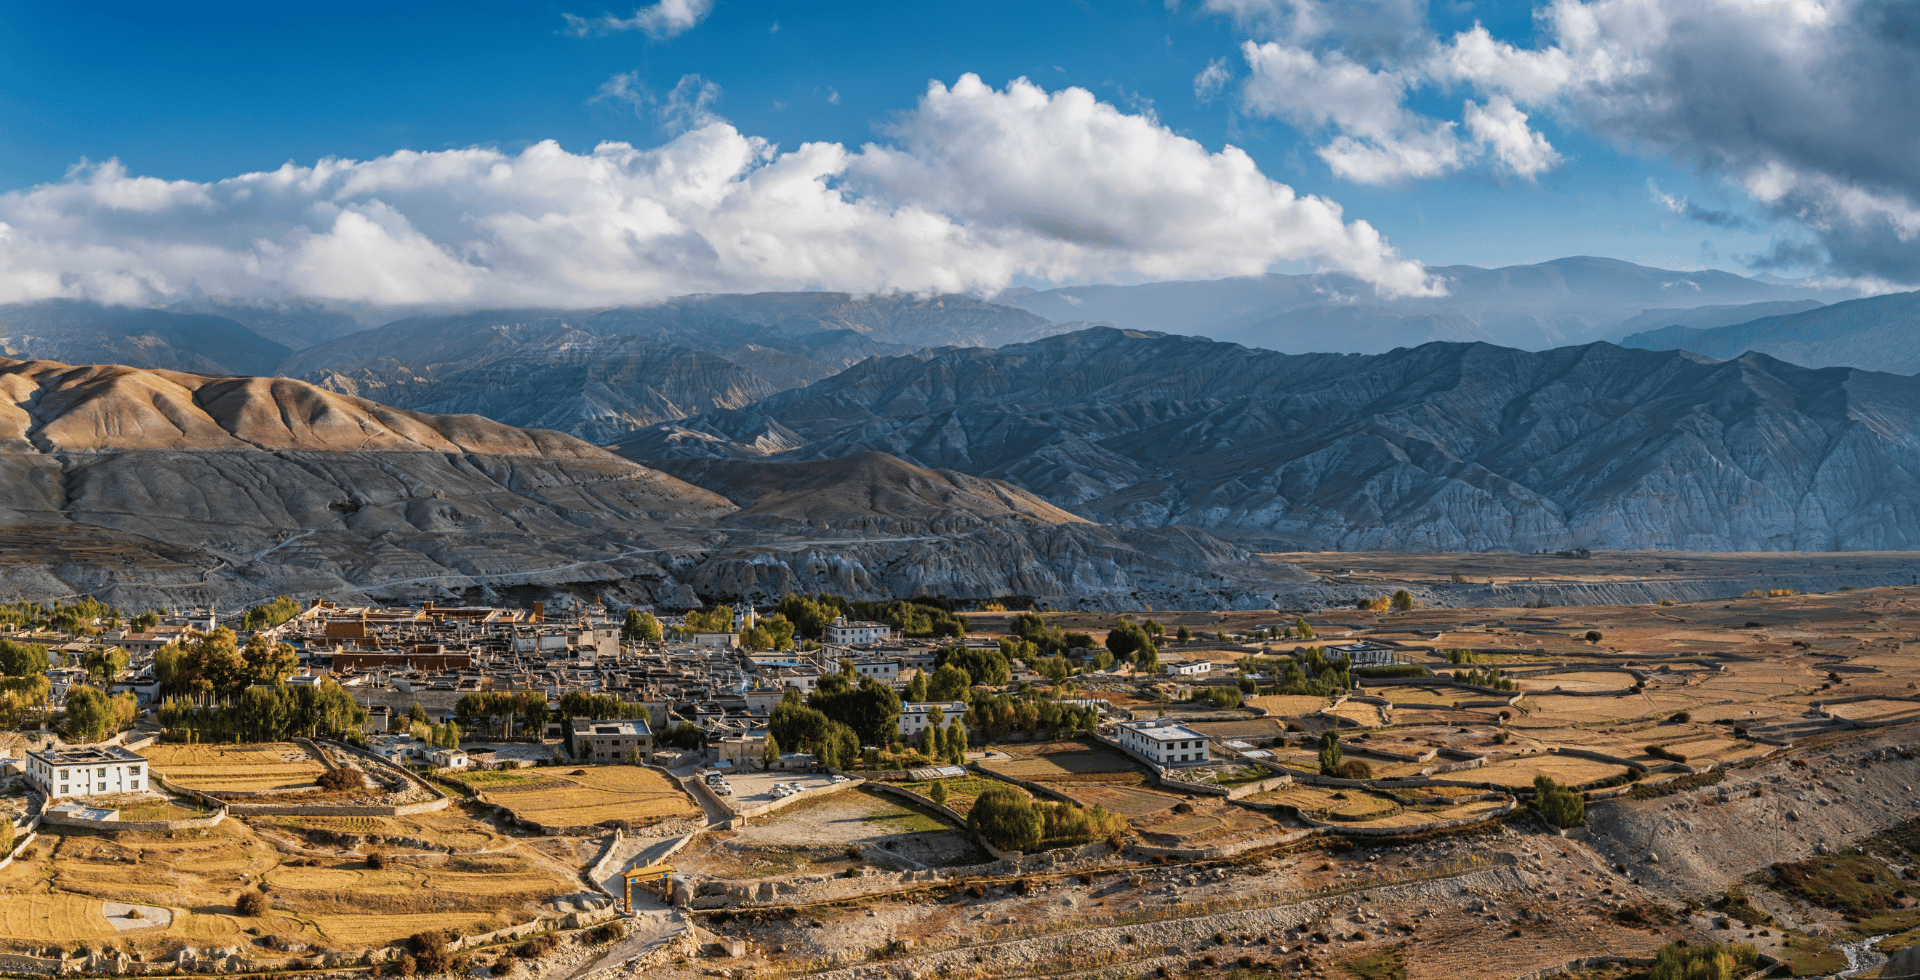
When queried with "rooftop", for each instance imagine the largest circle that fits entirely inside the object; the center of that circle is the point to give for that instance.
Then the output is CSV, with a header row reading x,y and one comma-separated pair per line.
x,y
87,755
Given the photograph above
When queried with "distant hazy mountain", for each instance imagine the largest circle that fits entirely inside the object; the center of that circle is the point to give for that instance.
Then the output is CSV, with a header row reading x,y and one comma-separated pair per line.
x,y
80,332
1532,307
1441,447
1881,333
1708,317
601,373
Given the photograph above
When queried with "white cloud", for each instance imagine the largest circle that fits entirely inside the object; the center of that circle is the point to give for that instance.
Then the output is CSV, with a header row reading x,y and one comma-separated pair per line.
x,y
974,188
1212,79
668,18
1503,130
688,106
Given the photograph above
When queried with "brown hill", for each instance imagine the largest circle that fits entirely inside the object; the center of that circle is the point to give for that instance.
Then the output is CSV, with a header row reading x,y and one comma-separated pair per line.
x,y
153,488
863,487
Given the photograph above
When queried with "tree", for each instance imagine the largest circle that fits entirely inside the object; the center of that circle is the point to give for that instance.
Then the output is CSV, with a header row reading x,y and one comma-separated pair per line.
x,y
1558,805
870,708
1153,629
22,659
1224,697
144,622
1593,636
1126,639
938,794
417,714
640,627
267,662
1147,658
770,754
1007,819
6,835
1402,601
271,614
917,688
983,666
1680,960
1329,751
1301,627
1185,635
90,715
104,663
950,683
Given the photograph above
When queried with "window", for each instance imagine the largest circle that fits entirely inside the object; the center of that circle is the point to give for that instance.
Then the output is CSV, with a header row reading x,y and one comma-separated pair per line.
x,y
135,771
63,774
134,785
63,791
103,774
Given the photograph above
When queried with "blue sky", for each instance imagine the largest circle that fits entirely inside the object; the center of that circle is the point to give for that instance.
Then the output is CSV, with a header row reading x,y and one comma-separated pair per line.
x,y
209,91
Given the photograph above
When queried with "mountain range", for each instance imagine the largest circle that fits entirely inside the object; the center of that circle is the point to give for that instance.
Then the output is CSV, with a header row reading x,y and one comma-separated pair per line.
x,y
1877,333
1532,307
1442,447
163,488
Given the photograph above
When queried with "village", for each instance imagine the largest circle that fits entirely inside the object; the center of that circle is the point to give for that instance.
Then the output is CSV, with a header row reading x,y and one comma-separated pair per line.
x,y
912,790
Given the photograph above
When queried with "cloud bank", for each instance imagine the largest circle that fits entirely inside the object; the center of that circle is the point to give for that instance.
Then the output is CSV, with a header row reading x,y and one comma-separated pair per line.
x,y
663,20
972,189
1805,107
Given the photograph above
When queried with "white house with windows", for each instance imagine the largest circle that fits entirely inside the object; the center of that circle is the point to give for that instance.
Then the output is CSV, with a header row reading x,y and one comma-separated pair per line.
x,y
840,632
914,714
1186,668
886,671
1164,742
87,770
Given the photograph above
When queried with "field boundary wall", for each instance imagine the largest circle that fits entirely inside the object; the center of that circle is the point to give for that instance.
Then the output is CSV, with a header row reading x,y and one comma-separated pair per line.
x,y
763,809
20,843
129,826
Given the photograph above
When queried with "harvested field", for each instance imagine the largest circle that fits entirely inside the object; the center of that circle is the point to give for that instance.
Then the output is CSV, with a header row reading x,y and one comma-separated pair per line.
x,y
1256,730
1578,680
269,767
1133,801
1061,759
588,796
1875,710
1366,715
1411,694
1209,825
962,792
1422,816
1287,705
1567,770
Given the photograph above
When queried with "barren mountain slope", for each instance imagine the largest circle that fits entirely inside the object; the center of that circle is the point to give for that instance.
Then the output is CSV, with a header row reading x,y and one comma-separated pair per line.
x,y
159,488
78,331
600,374
1438,448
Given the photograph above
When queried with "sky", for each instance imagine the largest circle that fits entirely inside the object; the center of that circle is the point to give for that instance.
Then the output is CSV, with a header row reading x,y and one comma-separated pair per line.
x,y
582,153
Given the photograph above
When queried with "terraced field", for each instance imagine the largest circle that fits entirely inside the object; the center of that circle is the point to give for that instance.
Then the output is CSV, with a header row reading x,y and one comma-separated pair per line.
x,y
586,796
268,767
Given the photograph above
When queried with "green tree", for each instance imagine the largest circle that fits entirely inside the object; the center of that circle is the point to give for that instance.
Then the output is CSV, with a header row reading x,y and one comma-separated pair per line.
x,y
271,614
917,688
267,662
417,714
938,794
1329,751
1147,658
1558,805
1402,601
144,622
983,666
22,659
640,627
1185,635
90,715
770,754
1007,819
1224,697
1126,639
104,664
950,683
870,707
1301,627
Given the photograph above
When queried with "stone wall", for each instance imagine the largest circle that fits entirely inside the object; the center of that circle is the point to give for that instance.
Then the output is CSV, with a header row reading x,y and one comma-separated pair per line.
x,y
120,826
762,809
21,838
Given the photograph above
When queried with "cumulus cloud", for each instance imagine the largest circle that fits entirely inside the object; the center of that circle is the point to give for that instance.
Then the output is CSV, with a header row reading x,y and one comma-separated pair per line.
x,y
972,189
1804,106
663,20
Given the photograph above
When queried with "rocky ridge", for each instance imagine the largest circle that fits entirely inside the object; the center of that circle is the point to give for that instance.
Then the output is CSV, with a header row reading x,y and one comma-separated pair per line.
x,y
1444,447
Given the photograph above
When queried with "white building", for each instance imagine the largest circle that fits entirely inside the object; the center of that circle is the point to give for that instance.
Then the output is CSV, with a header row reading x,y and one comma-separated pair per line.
x,y
841,632
612,740
886,671
914,714
1163,742
403,749
449,759
87,770
1366,654
1184,668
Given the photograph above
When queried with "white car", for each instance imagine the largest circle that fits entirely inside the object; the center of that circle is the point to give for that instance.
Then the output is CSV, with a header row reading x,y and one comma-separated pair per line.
x,y
838,779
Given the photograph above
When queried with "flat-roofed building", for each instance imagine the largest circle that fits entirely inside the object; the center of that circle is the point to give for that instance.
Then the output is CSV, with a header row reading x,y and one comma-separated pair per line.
x,y
88,770
841,632
1163,742
914,714
612,741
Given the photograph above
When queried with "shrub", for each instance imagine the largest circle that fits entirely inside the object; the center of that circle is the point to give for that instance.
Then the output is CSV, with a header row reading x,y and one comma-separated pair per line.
x,y
431,952
1558,805
377,861
342,779
1352,769
252,904
1007,819
1662,752
1593,636
537,947
1680,717
504,965
1224,697
408,966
